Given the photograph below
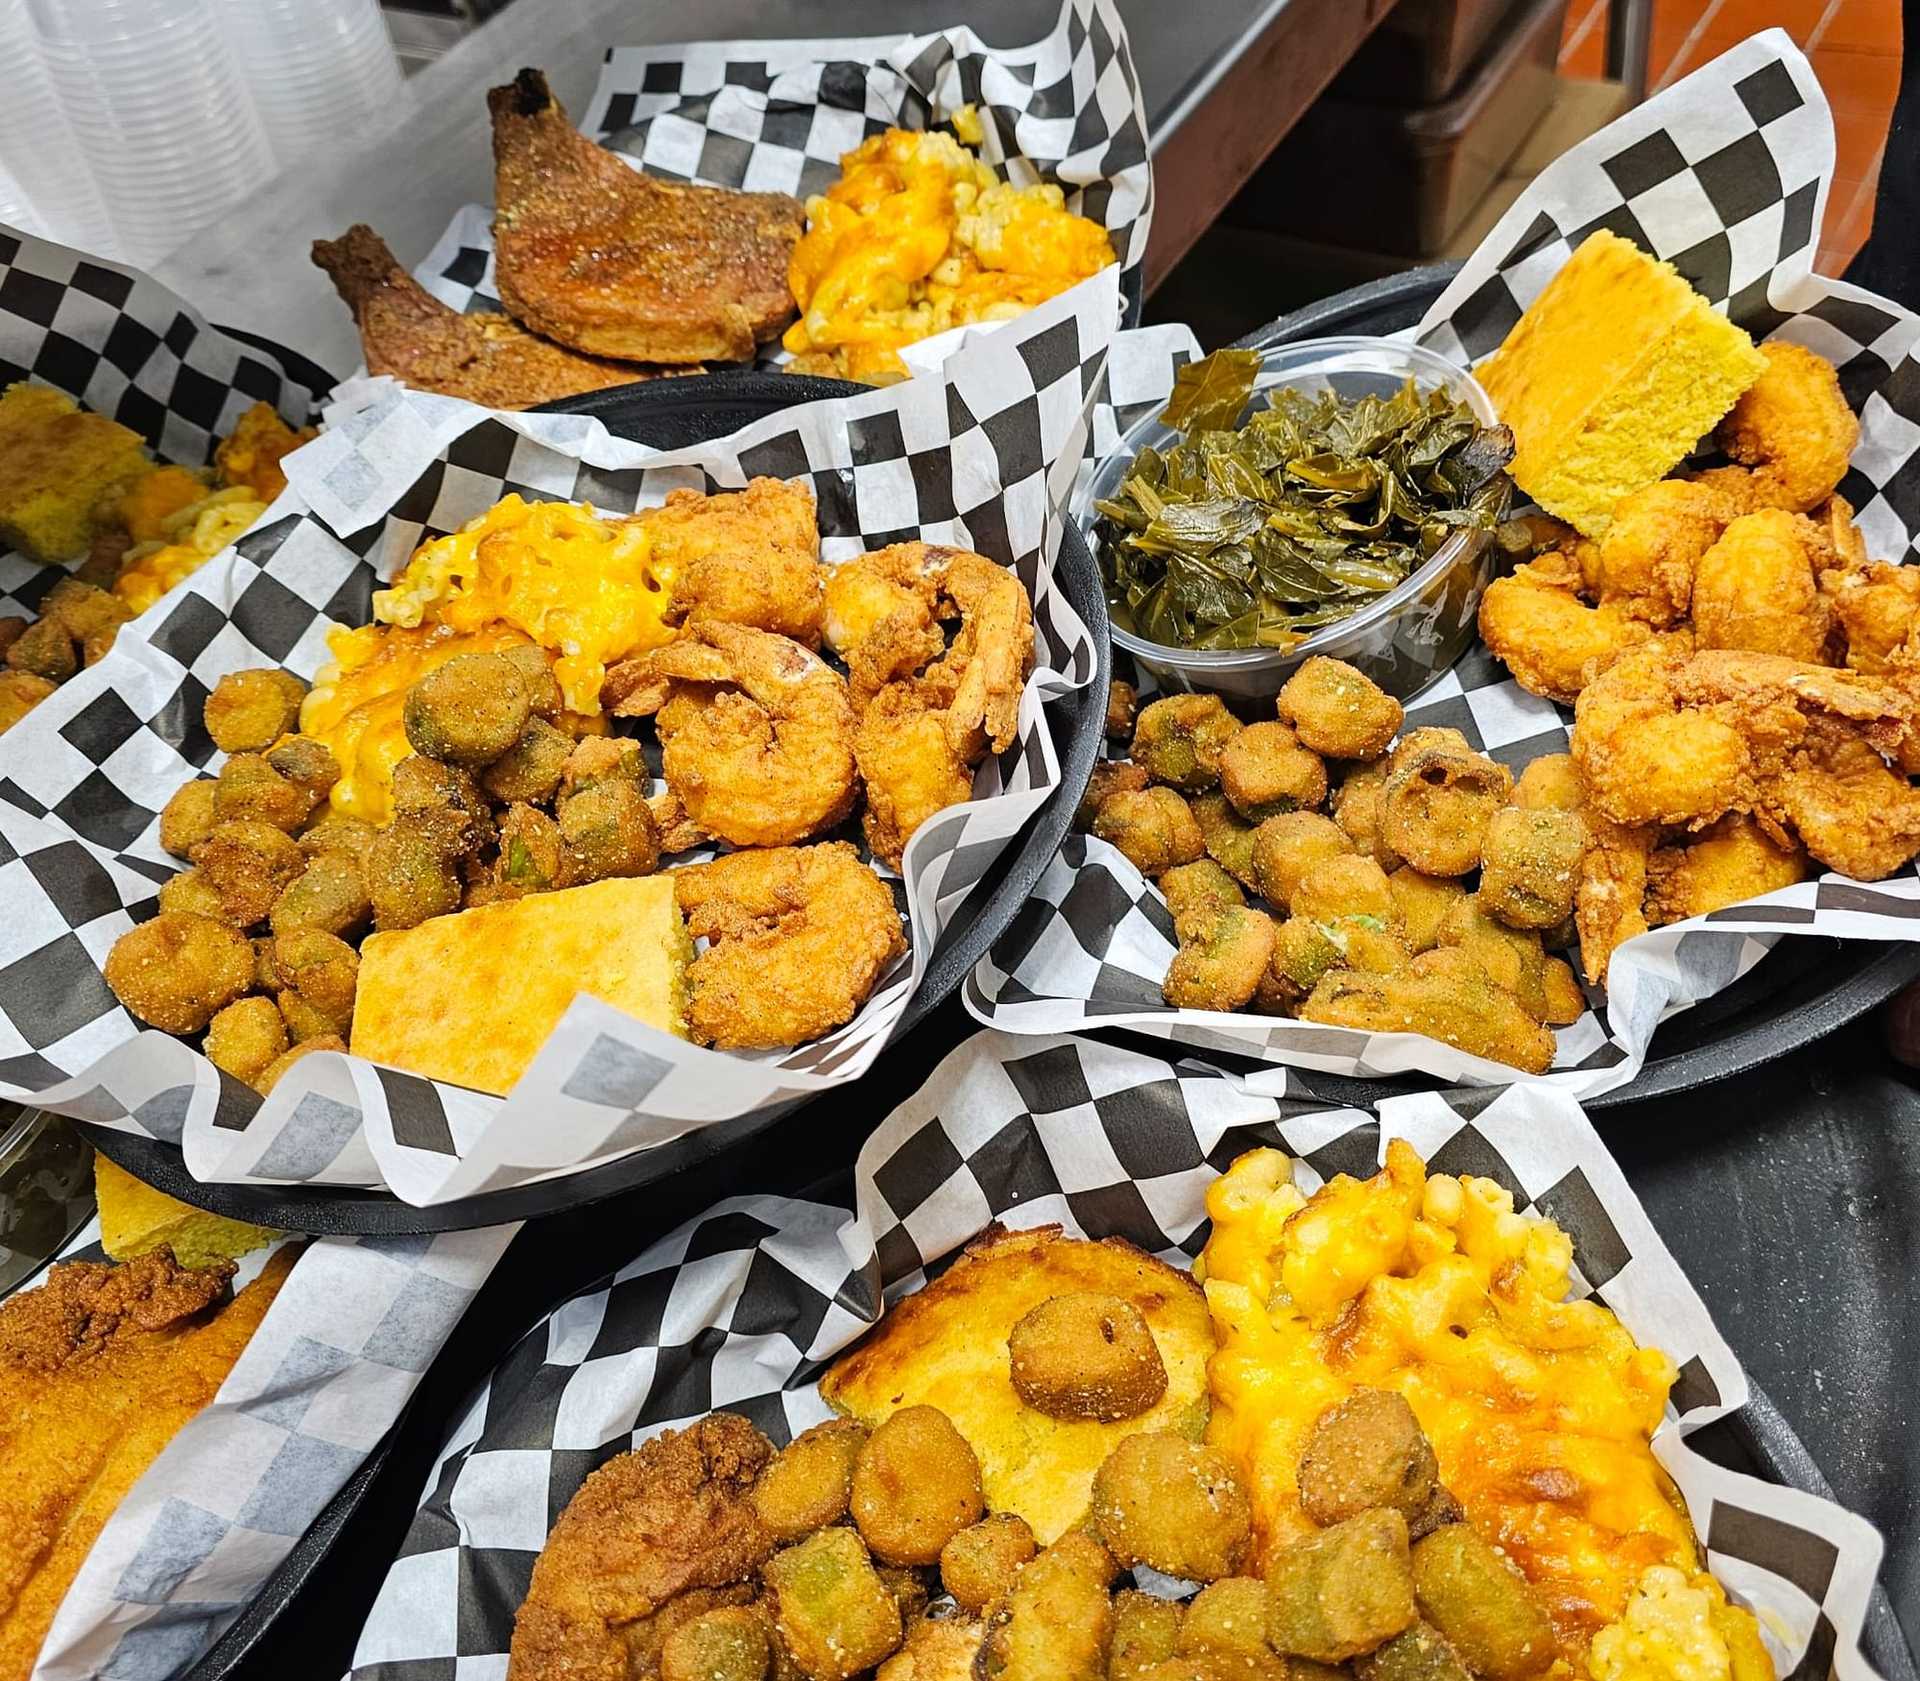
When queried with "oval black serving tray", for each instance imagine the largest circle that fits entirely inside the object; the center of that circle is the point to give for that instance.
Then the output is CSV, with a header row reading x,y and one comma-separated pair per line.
x,y
1804,989
673,414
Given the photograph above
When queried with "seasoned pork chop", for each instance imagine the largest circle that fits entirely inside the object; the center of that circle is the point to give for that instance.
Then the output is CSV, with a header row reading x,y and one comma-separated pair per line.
x,y
407,332
593,253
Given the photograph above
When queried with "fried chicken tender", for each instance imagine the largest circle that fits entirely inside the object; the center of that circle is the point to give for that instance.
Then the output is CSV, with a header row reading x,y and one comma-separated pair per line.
x,y
798,938
751,559
1551,641
1444,994
1731,862
671,1523
1645,562
1754,589
762,753
1793,427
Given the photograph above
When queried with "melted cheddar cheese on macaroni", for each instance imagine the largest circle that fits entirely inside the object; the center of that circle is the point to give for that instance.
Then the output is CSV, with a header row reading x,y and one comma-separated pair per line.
x,y
1540,1409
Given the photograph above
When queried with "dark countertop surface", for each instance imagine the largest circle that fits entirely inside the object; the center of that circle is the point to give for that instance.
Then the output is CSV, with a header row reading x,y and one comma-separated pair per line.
x,y
1786,1192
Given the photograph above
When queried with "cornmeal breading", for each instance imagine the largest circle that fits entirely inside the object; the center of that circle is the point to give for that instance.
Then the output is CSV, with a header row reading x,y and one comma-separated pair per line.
x,y
62,472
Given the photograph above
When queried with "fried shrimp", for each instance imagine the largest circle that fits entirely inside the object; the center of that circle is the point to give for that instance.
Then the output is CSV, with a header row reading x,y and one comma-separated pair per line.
x,y
1607,898
776,588
798,936
1645,562
909,766
1794,428
1732,862
1645,758
881,614
1851,811
1551,641
1754,589
978,681
768,759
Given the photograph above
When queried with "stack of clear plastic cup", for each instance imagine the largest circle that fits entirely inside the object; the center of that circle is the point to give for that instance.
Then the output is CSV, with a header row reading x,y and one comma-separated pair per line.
x,y
320,71
45,185
154,96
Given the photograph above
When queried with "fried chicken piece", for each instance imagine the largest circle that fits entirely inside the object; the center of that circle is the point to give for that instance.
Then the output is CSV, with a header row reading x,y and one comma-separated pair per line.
x,y
1645,563
407,332
606,259
1551,641
1850,810
99,1369
751,557
1728,864
1793,427
649,1540
1754,589
1608,899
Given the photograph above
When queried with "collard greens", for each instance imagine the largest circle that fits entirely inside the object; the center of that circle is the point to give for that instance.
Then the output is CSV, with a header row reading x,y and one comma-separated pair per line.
x,y
1254,534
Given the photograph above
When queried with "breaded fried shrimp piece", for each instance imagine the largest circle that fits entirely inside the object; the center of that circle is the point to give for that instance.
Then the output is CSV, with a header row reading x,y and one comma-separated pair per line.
x,y
1754,590
1731,862
1794,427
1646,559
1550,640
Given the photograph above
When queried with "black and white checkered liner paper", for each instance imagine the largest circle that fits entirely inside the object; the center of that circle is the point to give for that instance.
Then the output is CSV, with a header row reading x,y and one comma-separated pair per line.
x,y
740,1308
776,116
124,346
1726,176
981,455
334,1360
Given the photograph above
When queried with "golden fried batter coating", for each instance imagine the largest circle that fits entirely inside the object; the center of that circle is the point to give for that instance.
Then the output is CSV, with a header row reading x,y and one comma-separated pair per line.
x,y
916,1485
1223,965
1179,738
249,711
1445,994
1727,864
1264,770
245,1037
810,1481
1154,828
1436,807
1529,866
1227,835
1287,847
1176,1505
1793,427
1754,589
1109,776
177,971
1086,1355
978,1565
1339,711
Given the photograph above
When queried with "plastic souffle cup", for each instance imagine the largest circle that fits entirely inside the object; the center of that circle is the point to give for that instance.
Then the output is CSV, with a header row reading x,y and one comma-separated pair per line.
x,y
1403,639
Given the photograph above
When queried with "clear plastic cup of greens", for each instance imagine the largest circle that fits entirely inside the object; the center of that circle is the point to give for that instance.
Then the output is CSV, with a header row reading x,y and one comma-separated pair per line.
x,y
1402,618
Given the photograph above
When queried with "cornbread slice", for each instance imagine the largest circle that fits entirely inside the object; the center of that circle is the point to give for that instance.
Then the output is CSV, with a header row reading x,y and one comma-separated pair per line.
x,y
62,472
1616,371
471,997
135,1219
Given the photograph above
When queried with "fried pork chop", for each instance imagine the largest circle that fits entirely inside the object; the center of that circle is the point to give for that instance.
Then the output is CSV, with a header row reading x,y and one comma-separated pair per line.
x,y
594,254
407,332
650,1540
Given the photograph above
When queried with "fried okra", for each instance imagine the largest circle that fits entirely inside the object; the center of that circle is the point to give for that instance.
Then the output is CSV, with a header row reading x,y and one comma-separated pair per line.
x,y
46,650
20,693
189,890
916,1485
468,711
307,762
596,757
1429,738
1423,903
409,875
1436,806
1343,1591
1444,994
1146,1632
249,711
1287,847
609,831
1514,957
249,864
177,971
445,801
535,666
834,1614
276,1070
530,769
1056,1622
1227,836
1421,1653
245,1037
187,818
1356,808
335,832
807,1484
1179,739
1530,864
1345,886
732,1643
1161,1500
83,610
977,1566
1086,1355
1222,966
1264,771
1110,776
1196,894
1123,707
1153,828
1476,1598
1367,1451
533,856
249,789
1227,1622
329,894
322,970
1339,711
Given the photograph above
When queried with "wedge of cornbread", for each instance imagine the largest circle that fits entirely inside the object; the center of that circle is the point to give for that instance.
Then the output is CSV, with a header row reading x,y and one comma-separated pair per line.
x,y
471,997
1613,374
135,1219
62,472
